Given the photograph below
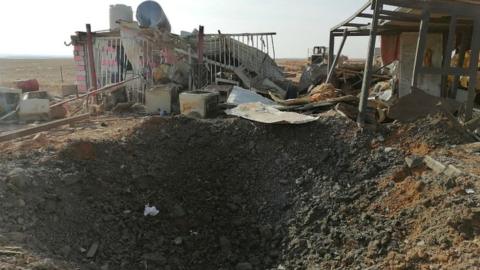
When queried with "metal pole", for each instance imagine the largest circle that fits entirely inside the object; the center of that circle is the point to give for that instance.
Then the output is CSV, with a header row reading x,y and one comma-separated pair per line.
x,y
91,59
421,47
461,61
273,48
473,70
447,56
331,50
367,75
61,73
201,38
190,74
335,61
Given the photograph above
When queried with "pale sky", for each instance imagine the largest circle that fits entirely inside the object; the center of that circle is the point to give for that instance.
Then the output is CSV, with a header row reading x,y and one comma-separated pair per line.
x,y
39,27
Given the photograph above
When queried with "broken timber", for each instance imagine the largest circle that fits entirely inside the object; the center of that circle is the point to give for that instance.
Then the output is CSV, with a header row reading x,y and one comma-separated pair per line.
x,y
112,88
44,127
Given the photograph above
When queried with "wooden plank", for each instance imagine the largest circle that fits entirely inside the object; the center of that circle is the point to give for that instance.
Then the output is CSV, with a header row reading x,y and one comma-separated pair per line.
x,y
112,87
367,76
421,46
472,85
473,124
43,127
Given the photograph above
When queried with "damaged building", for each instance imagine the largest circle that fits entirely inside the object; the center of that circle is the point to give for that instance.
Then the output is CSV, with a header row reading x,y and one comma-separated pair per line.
x,y
433,46
146,56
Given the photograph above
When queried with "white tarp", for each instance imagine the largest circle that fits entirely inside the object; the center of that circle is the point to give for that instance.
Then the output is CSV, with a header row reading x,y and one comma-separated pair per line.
x,y
241,96
262,113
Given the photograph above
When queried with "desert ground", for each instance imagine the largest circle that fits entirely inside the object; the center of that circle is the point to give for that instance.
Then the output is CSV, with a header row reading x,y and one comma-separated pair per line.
x,y
46,71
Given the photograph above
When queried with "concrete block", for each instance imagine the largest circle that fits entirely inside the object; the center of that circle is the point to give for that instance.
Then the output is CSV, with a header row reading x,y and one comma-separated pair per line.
x,y
34,110
414,161
200,104
435,165
453,171
160,98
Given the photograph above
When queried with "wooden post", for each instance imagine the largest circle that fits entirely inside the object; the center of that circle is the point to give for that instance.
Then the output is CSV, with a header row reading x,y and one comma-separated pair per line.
x,y
335,61
367,75
421,46
473,70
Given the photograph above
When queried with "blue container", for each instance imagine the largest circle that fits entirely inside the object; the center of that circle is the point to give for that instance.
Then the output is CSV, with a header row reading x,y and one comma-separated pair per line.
x,y
150,14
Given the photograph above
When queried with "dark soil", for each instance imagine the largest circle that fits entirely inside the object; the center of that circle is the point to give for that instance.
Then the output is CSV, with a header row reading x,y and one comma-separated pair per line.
x,y
231,194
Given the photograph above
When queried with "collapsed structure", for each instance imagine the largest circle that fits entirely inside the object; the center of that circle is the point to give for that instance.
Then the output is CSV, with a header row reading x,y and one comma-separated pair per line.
x,y
438,28
149,56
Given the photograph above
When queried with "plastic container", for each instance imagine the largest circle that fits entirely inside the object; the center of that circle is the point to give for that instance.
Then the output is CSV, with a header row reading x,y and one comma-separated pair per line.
x,y
150,14
120,12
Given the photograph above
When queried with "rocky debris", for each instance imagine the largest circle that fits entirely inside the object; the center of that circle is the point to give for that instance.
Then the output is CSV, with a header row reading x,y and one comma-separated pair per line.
x,y
233,194
434,164
18,179
93,250
244,266
414,161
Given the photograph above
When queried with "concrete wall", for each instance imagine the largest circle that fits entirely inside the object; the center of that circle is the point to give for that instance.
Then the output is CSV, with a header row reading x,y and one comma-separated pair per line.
x,y
408,46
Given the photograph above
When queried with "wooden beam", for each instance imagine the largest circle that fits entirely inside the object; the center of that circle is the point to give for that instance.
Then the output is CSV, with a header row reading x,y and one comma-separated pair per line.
x,y
472,85
40,128
112,87
367,76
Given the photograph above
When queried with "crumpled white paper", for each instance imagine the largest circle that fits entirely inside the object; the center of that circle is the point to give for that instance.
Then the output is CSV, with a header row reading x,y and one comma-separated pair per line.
x,y
150,211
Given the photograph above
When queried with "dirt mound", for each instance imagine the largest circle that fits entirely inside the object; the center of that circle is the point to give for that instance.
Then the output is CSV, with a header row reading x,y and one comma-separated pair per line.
x,y
231,194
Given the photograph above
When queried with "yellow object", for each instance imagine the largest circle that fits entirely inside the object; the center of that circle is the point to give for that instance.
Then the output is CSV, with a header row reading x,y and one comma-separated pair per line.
x,y
161,73
464,80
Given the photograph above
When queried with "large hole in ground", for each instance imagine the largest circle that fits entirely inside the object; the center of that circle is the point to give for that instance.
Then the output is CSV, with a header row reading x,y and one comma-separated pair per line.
x,y
231,194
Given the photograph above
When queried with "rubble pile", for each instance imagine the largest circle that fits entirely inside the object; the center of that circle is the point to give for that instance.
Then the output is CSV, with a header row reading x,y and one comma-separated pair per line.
x,y
233,194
